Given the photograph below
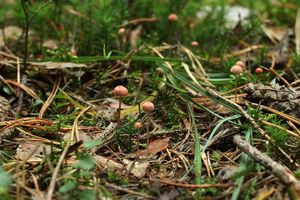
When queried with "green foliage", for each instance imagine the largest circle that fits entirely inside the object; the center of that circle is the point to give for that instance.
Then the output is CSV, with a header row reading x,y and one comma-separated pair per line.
x,y
125,133
113,177
6,180
91,144
85,162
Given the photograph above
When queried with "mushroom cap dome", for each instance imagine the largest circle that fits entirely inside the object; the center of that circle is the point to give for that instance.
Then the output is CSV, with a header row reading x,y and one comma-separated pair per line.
x,y
120,90
148,106
236,69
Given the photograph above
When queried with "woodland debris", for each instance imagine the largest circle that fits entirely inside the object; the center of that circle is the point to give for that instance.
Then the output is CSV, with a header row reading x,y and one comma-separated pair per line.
x,y
32,150
276,168
281,98
6,113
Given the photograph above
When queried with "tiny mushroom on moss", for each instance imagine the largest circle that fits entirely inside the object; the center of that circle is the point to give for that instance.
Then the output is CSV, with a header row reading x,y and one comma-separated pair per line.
x,y
259,70
148,107
138,125
240,63
120,91
236,70
121,31
194,43
172,17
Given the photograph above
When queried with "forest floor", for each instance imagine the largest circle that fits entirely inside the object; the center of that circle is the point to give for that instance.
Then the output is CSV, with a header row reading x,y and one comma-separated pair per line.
x,y
176,100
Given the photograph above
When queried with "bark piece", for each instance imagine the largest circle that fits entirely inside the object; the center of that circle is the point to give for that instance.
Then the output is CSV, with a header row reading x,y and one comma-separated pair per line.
x,y
281,98
6,113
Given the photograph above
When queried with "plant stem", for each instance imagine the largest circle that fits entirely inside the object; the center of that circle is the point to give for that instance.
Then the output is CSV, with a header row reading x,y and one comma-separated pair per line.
x,y
26,30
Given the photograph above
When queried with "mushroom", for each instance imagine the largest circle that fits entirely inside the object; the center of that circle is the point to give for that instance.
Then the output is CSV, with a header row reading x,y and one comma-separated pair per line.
x,y
259,70
194,43
240,63
138,125
172,17
120,91
148,107
236,70
122,36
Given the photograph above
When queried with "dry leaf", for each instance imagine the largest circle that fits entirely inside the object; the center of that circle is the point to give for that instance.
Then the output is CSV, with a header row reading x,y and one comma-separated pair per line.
x,y
11,33
114,103
57,65
264,193
155,147
275,34
138,169
32,150
50,44
226,172
107,163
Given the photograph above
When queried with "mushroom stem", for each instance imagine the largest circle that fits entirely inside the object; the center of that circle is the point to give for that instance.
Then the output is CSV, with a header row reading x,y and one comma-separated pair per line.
x,y
235,92
148,134
119,111
138,140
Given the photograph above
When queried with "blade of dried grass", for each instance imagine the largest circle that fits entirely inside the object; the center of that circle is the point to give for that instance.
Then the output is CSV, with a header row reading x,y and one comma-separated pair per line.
x,y
297,32
50,97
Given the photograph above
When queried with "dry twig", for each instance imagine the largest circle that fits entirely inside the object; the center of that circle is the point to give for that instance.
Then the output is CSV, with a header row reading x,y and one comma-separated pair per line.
x,y
278,169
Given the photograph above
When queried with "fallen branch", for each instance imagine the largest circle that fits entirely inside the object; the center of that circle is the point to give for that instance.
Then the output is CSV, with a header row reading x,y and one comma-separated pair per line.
x,y
277,169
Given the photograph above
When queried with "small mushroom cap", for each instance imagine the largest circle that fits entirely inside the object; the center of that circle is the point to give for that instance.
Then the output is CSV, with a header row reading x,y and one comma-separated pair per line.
x,y
236,69
120,90
194,43
148,106
172,17
240,63
138,125
121,31
259,70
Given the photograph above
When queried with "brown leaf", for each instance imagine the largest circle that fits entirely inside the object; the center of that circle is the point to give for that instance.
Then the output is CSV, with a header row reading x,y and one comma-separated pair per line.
x,y
155,147
32,150
138,169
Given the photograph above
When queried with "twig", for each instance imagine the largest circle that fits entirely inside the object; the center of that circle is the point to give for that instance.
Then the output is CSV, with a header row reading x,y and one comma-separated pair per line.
x,y
194,186
272,71
278,170
129,191
252,121
139,21
55,173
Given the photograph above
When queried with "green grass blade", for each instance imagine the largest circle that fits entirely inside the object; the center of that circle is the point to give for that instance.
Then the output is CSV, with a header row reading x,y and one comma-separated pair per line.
x,y
197,156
